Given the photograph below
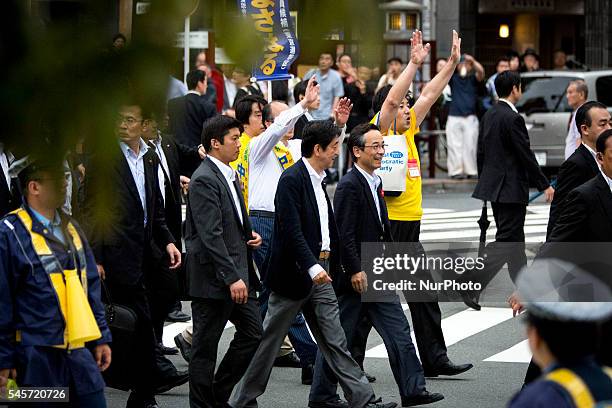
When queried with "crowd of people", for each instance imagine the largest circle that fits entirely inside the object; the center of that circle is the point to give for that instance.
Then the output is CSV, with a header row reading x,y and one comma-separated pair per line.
x,y
262,245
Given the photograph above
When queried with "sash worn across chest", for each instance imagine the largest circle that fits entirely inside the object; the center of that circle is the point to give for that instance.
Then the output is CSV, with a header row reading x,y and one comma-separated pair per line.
x,y
71,292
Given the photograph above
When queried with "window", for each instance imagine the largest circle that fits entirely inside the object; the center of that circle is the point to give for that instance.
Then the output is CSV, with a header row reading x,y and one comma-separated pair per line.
x,y
395,21
411,22
544,94
603,87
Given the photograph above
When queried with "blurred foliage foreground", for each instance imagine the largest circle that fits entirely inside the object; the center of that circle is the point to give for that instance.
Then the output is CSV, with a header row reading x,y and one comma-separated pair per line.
x,y
62,85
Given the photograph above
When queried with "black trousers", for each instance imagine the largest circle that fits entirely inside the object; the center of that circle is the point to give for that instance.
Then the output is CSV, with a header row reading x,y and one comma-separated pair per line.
x,y
426,316
162,292
207,389
389,320
143,366
509,245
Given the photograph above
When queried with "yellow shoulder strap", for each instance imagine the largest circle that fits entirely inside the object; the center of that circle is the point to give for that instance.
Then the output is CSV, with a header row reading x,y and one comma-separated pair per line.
x,y
71,292
574,385
608,371
38,241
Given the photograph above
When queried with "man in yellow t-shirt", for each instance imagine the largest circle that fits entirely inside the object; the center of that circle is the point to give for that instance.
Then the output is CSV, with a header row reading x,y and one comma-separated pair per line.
x,y
408,205
405,210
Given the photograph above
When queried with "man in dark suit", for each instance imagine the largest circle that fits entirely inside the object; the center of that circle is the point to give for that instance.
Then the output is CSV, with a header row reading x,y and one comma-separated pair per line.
x,y
122,230
362,217
164,283
506,167
586,216
303,258
221,276
188,113
592,118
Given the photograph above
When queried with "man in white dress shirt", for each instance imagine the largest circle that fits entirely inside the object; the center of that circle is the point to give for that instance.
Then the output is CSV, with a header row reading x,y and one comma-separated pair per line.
x,y
577,94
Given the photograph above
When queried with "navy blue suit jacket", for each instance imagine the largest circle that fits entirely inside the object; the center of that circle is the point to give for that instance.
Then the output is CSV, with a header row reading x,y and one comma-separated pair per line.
x,y
296,239
358,222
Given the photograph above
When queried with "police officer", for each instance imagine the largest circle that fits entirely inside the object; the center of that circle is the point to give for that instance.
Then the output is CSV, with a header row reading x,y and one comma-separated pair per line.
x,y
564,337
53,332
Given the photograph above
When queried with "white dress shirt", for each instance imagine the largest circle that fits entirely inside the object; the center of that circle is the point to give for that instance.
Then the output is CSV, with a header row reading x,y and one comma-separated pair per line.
x,y
509,104
608,180
163,169
264,168
373,181
136,164
572,138
295,147
4,164
230,90
230,177
316,179
593,153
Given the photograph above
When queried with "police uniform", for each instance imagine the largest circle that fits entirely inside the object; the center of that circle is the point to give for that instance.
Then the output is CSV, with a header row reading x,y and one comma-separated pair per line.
x,y
51,311
590,383
582,383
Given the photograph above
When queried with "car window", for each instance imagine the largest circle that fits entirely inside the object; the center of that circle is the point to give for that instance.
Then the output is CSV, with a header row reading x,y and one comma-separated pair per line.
x,y
544,94
603,85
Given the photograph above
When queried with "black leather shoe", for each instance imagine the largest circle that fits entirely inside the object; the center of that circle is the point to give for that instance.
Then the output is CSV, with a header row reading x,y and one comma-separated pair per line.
x,y
178,316
307,374
151,404
370,378
328,404
470,299
379,404
179,378
136,401
288,360
183,346
167,351
425,398
449,369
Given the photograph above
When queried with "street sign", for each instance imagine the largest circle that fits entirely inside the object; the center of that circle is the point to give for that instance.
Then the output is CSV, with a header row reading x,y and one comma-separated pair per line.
x,y
142,7
197,39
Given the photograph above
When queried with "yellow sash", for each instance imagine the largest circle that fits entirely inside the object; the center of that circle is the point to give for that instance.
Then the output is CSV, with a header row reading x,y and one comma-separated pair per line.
x,y
574,386
71,292
283,154
241,165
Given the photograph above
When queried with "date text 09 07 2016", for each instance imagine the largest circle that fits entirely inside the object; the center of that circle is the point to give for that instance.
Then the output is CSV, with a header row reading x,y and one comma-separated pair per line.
x,y
35,394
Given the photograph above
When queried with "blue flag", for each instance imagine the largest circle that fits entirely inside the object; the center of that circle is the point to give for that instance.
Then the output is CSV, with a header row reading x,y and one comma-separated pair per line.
x,y
271,19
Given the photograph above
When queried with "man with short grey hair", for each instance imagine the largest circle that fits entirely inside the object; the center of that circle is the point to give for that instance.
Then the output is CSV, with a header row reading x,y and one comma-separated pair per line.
x,y
577,93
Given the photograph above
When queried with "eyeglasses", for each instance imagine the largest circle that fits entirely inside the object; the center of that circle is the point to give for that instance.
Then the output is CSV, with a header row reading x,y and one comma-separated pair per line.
x,y
127,119
377,146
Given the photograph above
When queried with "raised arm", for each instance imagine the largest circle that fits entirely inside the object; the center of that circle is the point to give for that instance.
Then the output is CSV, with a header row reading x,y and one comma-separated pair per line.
x,y
418,53
434,88
480,73
262,145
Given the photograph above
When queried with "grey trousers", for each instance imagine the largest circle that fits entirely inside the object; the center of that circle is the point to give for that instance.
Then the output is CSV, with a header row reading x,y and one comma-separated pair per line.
x,y
321,311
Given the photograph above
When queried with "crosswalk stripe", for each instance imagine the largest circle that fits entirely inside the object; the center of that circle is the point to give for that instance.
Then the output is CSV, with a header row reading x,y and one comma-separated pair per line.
x,y
436,221
474,233
471,224
519,353
459,327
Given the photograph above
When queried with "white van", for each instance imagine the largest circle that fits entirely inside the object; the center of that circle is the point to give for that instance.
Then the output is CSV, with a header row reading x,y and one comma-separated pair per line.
x,y
547,114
